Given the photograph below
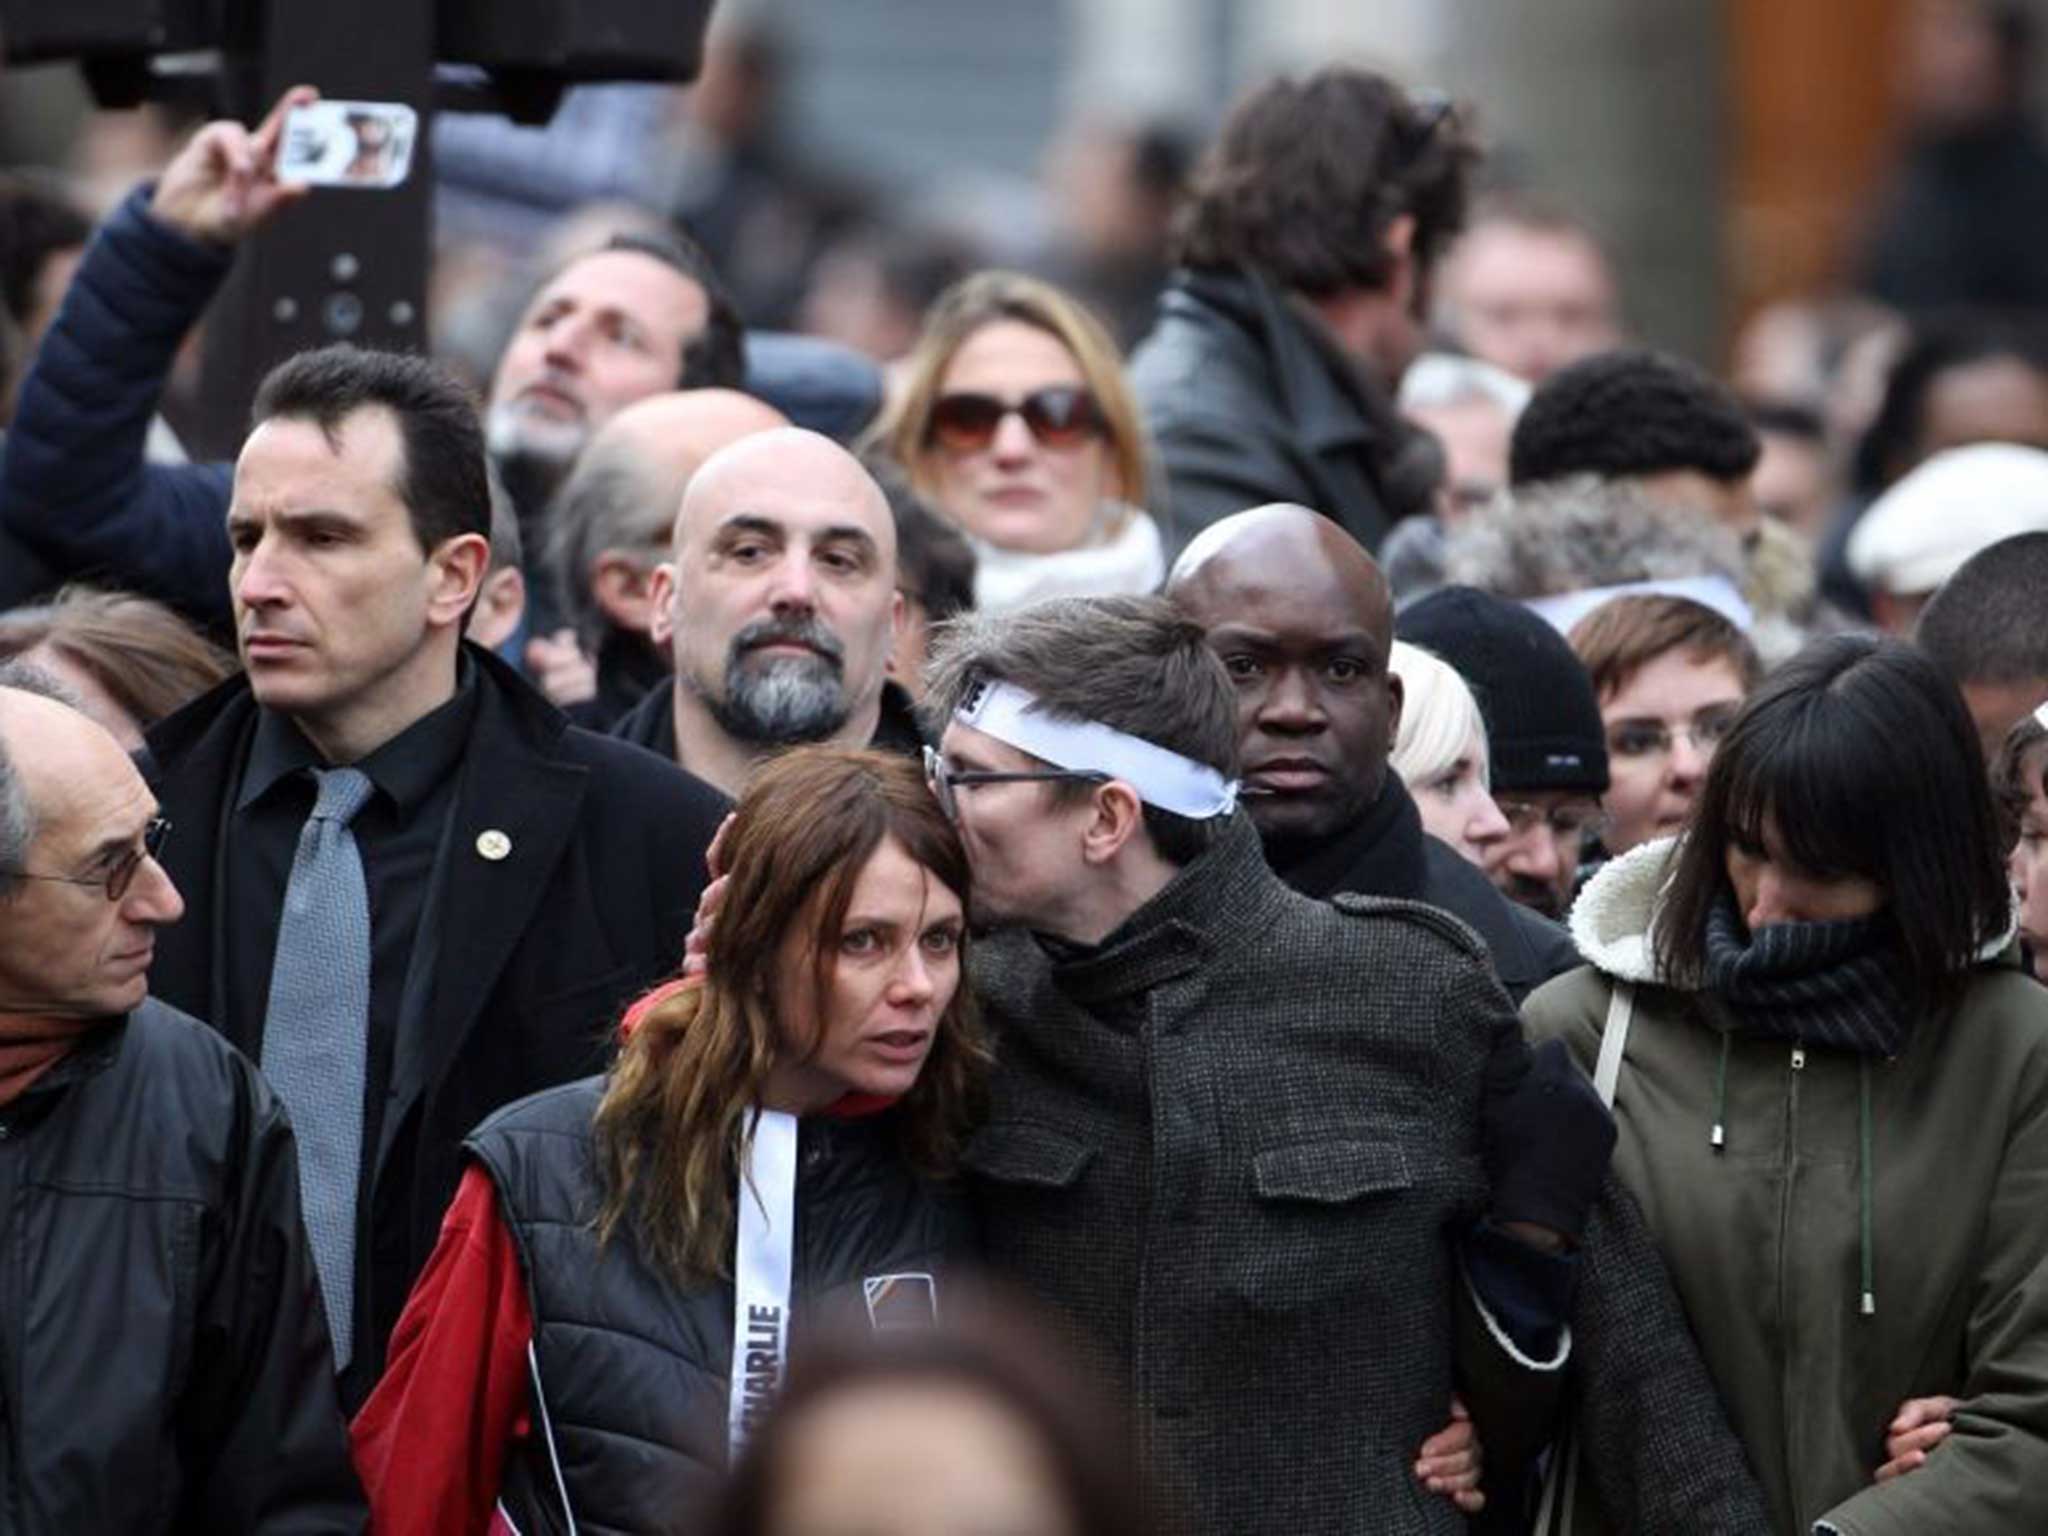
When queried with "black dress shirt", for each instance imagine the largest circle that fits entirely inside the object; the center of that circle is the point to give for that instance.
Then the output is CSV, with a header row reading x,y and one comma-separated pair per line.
x,y
398,832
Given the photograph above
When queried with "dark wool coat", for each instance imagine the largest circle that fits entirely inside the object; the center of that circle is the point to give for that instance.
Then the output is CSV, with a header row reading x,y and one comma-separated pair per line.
x,y
534,953
1234,1147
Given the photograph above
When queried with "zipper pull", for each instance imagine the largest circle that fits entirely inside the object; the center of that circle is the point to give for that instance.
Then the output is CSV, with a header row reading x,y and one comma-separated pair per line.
x,y
1798,1058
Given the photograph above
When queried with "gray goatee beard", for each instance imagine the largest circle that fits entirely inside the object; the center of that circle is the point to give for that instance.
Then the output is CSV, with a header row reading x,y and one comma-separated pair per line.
x,y
781,701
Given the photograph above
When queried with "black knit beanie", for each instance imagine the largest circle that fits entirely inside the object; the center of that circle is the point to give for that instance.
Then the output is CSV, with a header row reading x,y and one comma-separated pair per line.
x,y
1542,717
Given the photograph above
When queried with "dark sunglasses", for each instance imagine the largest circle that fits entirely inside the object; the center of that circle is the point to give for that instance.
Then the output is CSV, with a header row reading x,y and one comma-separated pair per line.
x,y
1061,416
121,873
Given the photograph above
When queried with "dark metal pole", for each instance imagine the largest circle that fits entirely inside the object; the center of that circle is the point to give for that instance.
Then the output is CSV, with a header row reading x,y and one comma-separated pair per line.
x,y
346,264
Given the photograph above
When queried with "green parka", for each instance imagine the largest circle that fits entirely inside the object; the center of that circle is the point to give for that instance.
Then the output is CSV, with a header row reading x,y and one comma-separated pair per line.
x,y
1766,1237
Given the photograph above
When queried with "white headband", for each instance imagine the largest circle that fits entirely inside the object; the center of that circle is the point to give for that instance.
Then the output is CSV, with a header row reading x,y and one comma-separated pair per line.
x,y
2041,716
1162,778
1715,592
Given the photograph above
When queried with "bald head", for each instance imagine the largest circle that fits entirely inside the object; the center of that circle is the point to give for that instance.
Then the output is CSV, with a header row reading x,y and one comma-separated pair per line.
x,y
616,514
789,465
1283,548
670,436
51,745
630,480
1301,617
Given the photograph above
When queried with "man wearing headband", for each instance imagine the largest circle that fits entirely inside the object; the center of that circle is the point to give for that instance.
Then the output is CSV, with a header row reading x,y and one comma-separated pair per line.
x,y
1261,1153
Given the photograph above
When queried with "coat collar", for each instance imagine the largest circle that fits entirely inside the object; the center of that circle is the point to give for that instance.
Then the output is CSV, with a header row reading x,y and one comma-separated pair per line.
x,y
1219,900
1326,397
1379,854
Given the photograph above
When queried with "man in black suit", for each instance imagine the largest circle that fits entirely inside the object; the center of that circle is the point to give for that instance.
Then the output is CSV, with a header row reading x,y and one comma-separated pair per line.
x,y
462,932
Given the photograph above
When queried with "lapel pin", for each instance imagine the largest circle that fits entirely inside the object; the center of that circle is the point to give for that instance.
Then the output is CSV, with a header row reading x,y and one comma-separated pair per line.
x,y
493,844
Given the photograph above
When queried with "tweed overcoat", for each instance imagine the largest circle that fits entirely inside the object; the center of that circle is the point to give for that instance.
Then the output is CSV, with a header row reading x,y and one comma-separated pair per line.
x,y
1232,1147
1235,1147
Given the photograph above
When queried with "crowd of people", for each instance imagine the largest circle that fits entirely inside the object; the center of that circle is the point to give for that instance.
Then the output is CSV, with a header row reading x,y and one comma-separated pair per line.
x,y
1355,904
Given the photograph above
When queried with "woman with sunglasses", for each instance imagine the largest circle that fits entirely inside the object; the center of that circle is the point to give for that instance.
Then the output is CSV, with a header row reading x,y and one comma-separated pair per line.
x,y
631,1261
1830,1080
1016,423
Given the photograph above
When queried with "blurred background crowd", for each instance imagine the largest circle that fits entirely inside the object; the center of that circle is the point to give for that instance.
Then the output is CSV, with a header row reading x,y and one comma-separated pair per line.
x,y
1777,191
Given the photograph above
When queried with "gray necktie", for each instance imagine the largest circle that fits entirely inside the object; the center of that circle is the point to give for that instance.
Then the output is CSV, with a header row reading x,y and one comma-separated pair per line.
x,y
316,1032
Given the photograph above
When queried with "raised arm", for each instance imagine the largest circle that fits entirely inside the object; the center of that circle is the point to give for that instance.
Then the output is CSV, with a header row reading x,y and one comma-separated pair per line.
x,y
75,486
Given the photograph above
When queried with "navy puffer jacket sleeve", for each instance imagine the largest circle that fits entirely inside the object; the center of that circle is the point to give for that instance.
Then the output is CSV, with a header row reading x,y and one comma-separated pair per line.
x,y
75,488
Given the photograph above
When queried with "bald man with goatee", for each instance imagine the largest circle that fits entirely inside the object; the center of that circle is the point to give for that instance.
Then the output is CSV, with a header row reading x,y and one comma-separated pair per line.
x,y
779,606
1301,617
609,528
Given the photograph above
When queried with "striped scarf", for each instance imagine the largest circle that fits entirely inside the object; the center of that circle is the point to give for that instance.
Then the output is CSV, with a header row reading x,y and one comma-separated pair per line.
x,y
1832,984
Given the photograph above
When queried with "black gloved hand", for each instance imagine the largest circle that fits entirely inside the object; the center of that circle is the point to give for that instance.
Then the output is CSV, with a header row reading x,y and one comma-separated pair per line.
x,y
1547,1140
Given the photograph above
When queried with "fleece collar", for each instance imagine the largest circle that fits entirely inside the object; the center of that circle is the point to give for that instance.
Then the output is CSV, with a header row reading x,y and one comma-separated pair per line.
x,y
1610,922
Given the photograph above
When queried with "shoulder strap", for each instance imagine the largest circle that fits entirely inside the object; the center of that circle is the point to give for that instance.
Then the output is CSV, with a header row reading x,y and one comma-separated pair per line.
x,y
1621,1004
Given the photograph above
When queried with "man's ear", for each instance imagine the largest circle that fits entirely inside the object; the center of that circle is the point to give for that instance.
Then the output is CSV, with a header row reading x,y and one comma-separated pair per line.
x,y
457,569
1119,817
500,605
661,604
624,589
1397,698
1399,240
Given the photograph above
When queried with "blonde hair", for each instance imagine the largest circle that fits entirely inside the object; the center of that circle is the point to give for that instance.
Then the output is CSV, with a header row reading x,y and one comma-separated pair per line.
x,y
977,301
1440,720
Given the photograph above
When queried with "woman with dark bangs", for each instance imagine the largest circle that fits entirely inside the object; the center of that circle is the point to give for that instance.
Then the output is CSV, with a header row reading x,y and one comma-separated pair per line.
x,y
1830,1080
630,1261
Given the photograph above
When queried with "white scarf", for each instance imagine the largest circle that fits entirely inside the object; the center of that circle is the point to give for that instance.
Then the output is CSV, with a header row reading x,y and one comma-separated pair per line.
x,y
1130,561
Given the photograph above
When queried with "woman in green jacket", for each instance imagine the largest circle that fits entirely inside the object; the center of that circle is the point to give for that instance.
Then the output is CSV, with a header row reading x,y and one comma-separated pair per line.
x,y
1831,1086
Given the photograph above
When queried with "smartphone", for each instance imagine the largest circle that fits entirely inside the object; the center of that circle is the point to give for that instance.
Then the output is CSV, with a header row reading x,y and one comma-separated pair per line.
x,y
364,144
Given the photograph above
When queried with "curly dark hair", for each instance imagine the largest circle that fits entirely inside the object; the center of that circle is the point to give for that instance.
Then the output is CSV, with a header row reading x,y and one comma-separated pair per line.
x,y
1631,412
1307,175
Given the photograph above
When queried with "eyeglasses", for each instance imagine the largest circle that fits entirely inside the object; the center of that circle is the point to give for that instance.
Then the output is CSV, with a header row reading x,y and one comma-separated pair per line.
x,y
1568,820
944,781
1654,738
1060,416
121,873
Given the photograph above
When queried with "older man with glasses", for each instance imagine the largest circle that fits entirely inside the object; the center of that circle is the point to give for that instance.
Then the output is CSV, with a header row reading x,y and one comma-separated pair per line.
x,y
167,1361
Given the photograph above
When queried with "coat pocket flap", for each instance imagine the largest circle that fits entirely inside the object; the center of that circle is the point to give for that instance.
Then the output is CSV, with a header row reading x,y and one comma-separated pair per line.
x,y
1027,1154
1330,1172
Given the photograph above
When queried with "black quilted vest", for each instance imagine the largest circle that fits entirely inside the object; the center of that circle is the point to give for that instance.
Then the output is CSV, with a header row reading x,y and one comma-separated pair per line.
x,y
629,1419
